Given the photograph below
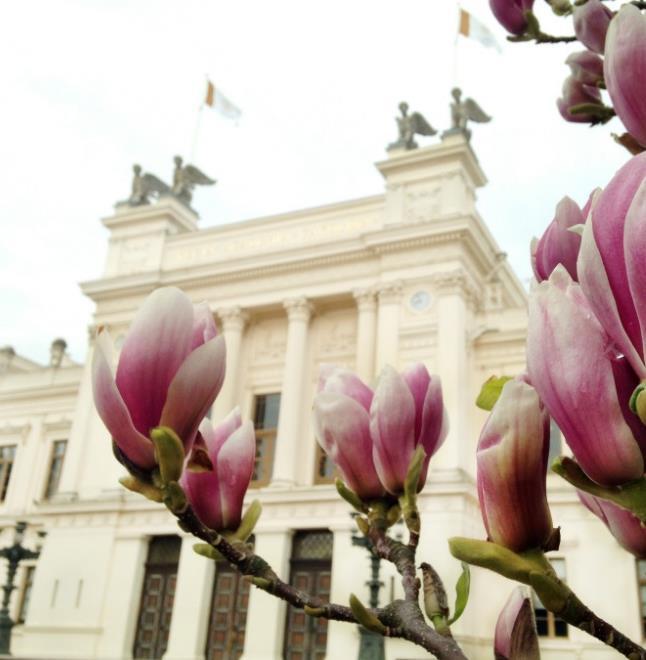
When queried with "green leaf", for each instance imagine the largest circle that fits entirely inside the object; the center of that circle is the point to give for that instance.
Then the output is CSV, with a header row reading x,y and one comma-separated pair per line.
x,y
490,392
462,587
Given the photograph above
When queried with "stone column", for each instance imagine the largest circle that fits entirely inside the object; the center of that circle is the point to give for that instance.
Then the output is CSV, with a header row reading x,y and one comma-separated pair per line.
x,y
389,295
233,323
192,604
366,333
452,290
292,402
350,568
266,614
122,598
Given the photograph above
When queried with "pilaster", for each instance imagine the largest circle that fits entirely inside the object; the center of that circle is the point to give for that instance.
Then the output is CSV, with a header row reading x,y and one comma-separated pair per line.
x,y
266,614
299,311
366,333
389,295
189,624
233,320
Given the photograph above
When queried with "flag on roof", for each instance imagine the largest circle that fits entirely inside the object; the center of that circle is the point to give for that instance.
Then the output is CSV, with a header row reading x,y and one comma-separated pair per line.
x,y
218,101
471,27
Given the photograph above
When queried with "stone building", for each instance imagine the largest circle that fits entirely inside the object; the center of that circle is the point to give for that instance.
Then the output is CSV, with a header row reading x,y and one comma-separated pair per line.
x,y
412,274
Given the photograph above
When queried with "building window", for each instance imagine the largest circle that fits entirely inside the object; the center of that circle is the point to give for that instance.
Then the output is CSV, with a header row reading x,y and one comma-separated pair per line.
x,y
25,595
555,442
325,471
265,421
7,457
55,467
547,624
310,571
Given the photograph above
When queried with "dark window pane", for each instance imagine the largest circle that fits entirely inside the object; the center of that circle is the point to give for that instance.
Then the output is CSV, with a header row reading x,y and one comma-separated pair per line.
x,y
55,467
7,456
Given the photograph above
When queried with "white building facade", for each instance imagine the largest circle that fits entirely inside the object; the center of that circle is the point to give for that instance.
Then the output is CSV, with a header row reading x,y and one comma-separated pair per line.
x,y
409,275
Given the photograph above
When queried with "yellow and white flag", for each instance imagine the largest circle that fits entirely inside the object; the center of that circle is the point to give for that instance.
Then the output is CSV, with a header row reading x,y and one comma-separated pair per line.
x,y
218,101
471,27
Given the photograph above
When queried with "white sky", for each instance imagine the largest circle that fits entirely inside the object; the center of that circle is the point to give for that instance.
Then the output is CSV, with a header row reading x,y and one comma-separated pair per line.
x,y
88,87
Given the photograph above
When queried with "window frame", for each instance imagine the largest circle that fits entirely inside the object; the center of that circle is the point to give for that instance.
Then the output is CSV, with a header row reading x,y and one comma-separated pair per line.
x,y
642,605
48,492
550,618
320,456
5,473
26,587
268,437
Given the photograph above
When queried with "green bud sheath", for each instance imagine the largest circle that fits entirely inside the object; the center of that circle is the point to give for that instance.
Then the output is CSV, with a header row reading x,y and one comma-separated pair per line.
x,y
169,452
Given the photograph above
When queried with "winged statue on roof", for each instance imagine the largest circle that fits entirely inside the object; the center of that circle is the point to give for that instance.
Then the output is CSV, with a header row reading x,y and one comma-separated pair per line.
x,y
408,126
464,111
145,186
185,178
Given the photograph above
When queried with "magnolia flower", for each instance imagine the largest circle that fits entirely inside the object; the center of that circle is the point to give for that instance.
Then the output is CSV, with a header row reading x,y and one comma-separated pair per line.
x,y
591,21
584,381
217,495
586,67
576,93
611,260
170,370
559,245
372,437
511,14
516,637
342,428
407,410
625,69
623,525
512,463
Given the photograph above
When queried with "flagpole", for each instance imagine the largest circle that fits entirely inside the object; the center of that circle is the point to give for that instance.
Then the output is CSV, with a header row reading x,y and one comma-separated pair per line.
x,y
196,131
455,50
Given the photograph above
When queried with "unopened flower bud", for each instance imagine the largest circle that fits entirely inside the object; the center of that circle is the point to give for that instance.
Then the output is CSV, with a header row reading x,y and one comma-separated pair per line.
x,y
591,20
516,637
511,14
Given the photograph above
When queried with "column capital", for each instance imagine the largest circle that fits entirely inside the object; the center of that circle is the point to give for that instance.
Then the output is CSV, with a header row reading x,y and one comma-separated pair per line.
x,y
298,309
366,300
458,282
389,292
232,318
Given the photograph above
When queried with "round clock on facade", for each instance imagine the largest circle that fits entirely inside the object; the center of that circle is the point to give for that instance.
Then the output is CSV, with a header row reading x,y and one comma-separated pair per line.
x,y
420,300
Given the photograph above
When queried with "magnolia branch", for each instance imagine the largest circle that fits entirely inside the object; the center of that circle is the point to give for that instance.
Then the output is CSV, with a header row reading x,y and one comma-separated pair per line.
x,y
401,618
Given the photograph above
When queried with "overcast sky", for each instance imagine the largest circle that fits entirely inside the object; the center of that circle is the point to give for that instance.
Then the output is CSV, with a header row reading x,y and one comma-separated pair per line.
x,y
90,87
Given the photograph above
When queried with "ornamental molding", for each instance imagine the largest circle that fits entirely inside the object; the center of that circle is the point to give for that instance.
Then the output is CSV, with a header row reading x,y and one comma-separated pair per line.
x,y
389,292
298,309
459,282
366,299
233,318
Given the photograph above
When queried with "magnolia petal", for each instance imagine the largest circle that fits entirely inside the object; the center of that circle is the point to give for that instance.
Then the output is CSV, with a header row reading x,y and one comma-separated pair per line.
x,y
516,637
112,408
392,426
625,69
204,327
591,22
335,379
418,380
234,469
512,464
215,437
194,388
202,490
342,428
569,359
635,248
157,343
594,283
435,424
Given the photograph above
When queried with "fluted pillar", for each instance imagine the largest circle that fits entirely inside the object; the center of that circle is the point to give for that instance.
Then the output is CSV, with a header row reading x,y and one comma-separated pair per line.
x,y
389,295
366,333
233,321
292,401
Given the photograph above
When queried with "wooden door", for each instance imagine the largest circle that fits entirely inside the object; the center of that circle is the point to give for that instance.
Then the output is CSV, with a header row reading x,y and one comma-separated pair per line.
x,y
158,594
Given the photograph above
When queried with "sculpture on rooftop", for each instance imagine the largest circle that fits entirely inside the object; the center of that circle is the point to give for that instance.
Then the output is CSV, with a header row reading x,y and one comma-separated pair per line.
x,y
185,178
145,186
463,112
409,126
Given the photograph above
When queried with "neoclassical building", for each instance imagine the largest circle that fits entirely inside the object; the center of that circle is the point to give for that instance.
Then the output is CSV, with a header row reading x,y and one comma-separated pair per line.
x,y
412,274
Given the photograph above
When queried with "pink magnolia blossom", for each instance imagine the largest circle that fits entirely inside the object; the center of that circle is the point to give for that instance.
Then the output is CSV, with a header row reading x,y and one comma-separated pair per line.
x,y
512,464
559,245
591,21
511,14
407,410
342,428
372,437
516,637
170,370
623,525
611,260
576,93
625,69
217,495
584,381
586,67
